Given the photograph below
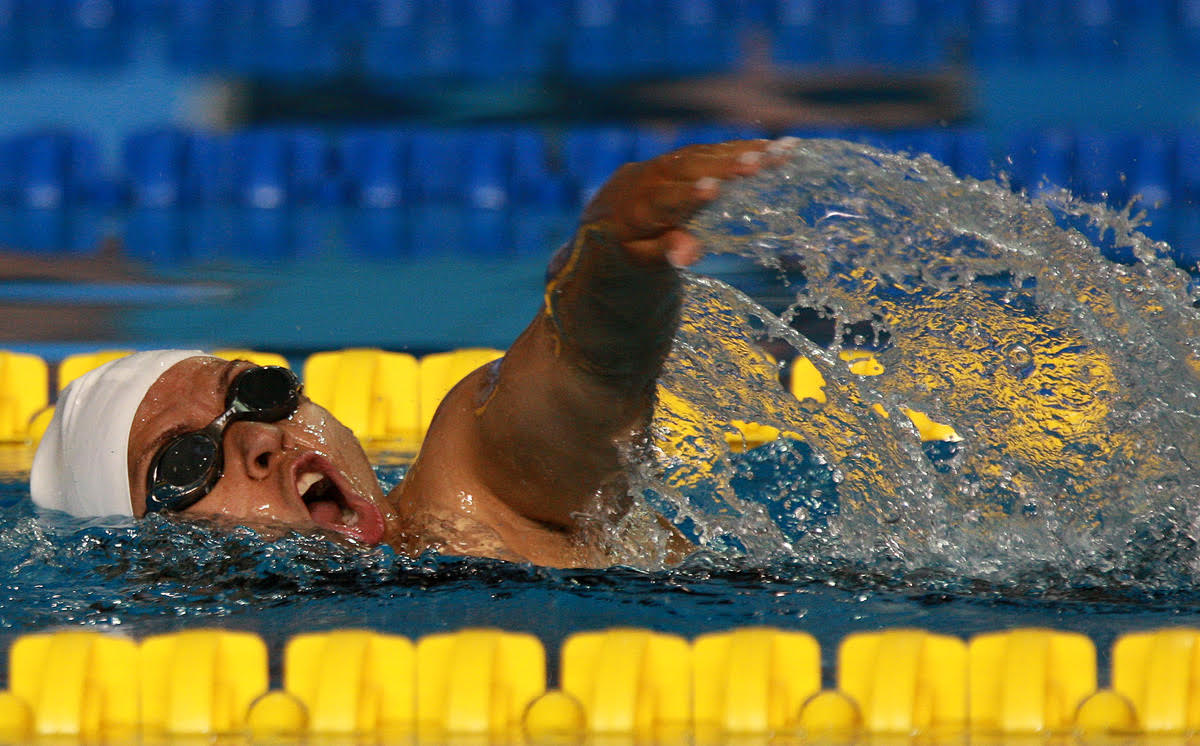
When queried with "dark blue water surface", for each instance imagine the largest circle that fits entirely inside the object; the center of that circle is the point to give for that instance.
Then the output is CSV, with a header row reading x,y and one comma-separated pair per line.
x,y
159,575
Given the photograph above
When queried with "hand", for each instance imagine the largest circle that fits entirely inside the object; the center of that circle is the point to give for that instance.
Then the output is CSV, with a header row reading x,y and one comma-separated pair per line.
x,y
644,205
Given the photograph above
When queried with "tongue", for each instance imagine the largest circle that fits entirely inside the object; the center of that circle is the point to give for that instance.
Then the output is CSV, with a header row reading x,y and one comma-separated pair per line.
x,y
326,513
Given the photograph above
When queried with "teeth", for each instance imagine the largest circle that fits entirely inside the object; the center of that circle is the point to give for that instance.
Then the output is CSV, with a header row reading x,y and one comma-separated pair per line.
x,y
349,518
306,480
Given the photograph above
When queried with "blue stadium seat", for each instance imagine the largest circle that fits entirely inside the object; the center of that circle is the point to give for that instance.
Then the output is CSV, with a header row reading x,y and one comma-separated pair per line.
x,y
1185,238
491,40
208,169
195,195
156,235
57,195
1047,29
196,41
84,34
973,155
1187,165
1186,29
1042,161
435,166
154,166
14,53
209,232
615,39
294,39
56,169
1186,212
444,41
897,33
508,39
700,37
392,48
261,174
486,232
96,33
596,40
800,36
315,229
42,175
378,234
592,155
485,187
536,181
435,185
260,235
487,169
1098,29
1101,165
147,15
42,231
281,167
9,170
1150,179
374,164
312,172
436,229
998,30
238,27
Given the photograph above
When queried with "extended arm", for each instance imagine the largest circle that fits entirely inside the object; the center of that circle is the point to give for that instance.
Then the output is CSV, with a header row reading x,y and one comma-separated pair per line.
x,y
547,432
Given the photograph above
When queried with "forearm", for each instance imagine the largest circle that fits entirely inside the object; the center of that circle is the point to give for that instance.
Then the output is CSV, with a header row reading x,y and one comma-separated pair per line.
x,y
613,316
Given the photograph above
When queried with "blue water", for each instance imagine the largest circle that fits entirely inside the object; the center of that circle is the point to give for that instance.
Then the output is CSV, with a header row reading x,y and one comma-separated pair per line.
x,y
161,575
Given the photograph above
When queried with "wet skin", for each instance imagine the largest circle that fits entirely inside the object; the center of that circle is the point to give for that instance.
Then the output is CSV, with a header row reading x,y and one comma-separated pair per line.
x,y
526,458
269,466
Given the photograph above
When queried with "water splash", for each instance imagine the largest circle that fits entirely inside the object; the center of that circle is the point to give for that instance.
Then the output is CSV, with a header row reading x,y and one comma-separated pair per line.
x,y
1072,379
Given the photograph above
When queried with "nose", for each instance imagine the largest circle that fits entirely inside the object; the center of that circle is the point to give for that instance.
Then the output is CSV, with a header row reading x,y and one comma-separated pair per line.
x,y
256,445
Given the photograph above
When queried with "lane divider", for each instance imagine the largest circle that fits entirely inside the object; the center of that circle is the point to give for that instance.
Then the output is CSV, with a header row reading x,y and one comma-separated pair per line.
x,y
624,682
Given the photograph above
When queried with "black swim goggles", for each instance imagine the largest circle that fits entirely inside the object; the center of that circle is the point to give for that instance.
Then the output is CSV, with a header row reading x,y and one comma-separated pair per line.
x,y
189,465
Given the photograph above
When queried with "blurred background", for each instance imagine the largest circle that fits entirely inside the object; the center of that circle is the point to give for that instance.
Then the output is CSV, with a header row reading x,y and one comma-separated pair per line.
x,y
297,175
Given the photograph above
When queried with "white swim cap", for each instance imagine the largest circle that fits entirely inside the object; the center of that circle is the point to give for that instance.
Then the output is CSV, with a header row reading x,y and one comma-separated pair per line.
x,y
82,462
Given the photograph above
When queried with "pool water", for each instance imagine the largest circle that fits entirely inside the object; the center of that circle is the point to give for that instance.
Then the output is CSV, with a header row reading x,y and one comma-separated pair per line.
x,y
160,575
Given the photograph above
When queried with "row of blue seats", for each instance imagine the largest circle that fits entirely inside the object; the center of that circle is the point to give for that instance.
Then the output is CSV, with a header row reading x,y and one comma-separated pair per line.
x,y
498,38
201,235
186,237
274,168
492,168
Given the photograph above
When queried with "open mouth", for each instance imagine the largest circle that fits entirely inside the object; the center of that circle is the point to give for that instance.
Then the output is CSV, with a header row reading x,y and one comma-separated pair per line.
x,y
334,506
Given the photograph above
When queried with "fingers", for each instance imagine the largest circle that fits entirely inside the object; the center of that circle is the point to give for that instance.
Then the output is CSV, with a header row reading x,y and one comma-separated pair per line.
x,y
678,247
720,161
646,204
668,204
680,183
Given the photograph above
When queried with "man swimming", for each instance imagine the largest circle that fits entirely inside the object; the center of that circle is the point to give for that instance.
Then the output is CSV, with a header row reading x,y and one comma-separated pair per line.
x,y
525,459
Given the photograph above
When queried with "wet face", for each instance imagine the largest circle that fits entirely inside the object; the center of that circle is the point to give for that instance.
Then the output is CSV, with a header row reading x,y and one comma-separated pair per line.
x,y
304,472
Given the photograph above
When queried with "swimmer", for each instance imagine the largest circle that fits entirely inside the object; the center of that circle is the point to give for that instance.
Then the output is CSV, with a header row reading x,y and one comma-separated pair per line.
x,y
525,459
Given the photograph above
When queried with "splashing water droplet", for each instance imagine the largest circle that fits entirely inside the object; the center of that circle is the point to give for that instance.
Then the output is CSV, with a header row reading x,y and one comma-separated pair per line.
x,y
1070,379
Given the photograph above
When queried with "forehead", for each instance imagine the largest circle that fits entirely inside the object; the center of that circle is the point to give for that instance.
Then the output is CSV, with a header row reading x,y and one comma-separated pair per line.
x,y
186,390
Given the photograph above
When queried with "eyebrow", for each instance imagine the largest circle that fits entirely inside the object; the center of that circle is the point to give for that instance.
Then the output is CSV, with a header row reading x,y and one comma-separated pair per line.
x,y
141,465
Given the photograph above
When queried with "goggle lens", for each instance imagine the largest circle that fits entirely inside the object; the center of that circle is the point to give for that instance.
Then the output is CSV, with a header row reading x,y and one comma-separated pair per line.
x,y
187,460
186,469
264,393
